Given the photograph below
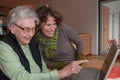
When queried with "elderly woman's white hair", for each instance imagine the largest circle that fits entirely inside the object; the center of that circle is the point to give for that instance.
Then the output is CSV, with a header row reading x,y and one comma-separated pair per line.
x,y
21,12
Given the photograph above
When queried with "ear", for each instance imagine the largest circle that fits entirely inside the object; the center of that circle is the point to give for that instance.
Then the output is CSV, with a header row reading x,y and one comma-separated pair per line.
x,y
12,28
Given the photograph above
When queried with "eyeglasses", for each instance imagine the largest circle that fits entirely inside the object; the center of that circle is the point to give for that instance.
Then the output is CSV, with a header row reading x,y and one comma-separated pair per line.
x,y
26,29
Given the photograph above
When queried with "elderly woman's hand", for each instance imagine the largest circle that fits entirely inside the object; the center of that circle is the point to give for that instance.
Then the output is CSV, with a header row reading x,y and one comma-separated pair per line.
x,y
73,68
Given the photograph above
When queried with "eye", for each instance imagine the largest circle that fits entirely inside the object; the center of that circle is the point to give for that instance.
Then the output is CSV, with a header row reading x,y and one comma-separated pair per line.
x,y
48,24
54,24
27,29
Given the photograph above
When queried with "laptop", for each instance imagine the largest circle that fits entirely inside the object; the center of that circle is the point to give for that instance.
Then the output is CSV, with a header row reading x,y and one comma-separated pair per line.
x,y
101,74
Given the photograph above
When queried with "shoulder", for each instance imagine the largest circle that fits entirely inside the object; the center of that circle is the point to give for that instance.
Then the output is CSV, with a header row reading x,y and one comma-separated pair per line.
x,y
65,27
6,50
4,45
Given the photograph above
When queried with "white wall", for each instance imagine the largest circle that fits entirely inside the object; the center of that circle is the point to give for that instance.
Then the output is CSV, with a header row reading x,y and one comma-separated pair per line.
x,y
80,14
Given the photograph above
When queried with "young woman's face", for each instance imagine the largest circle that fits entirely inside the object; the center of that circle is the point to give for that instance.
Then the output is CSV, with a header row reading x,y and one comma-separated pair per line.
x,y
49,27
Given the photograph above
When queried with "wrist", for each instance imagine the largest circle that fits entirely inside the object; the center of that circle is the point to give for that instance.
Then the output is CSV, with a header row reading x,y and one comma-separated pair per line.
x,y
62,74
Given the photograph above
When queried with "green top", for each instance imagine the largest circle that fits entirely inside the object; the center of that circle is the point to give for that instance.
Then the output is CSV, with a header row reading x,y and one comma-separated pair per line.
x,y
12,67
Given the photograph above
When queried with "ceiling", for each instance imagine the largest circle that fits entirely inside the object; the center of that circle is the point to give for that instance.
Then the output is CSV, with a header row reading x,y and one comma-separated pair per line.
x,y
13,3
36,3
31,3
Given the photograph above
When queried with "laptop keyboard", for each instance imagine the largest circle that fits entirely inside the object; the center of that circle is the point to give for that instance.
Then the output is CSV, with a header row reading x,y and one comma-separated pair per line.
x,y
89,74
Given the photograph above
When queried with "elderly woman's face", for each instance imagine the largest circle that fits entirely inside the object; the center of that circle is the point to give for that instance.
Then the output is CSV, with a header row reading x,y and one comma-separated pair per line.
x,y
24,30
49,27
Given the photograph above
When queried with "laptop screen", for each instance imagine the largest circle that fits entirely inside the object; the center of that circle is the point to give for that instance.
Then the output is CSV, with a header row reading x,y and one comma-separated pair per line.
x,y
109,61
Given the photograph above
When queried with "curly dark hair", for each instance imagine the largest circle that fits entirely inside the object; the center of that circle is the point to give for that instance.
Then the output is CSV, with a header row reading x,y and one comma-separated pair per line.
x,y
44,11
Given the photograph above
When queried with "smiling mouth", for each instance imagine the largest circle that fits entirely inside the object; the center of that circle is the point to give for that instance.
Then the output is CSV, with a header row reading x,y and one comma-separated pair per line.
x,y
28,38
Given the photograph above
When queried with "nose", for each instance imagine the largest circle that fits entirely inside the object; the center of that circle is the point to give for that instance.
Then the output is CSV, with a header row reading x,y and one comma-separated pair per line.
x,y
53,27
31,33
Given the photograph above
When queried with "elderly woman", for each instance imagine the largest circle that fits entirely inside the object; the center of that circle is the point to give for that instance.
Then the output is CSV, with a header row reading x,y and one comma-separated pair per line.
x,y
56,39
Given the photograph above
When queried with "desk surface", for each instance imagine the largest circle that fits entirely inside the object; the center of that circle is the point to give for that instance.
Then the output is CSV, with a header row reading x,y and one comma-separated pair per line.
x,y
96,62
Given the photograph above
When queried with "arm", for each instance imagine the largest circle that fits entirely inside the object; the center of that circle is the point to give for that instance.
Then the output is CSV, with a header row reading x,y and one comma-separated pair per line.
x,y
11,66
73,68
75,39
56,64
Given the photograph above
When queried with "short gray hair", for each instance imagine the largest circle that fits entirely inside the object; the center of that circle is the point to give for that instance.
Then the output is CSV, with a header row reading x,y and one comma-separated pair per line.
x,y
21,12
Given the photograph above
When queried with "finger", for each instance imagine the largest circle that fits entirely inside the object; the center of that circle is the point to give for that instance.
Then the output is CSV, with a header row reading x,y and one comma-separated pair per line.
x,y
86,60
82,61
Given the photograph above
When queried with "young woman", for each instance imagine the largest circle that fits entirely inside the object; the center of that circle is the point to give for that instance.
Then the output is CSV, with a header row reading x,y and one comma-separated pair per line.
x,y
56,39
